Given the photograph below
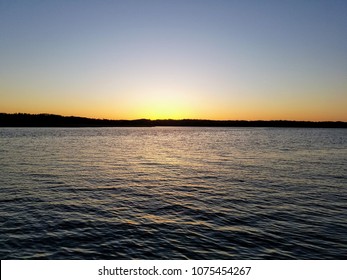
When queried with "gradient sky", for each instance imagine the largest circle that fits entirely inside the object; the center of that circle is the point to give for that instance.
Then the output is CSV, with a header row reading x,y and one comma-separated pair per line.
x,y
175,59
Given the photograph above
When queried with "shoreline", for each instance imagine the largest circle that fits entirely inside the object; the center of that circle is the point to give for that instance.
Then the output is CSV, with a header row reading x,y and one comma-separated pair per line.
x,y
51,120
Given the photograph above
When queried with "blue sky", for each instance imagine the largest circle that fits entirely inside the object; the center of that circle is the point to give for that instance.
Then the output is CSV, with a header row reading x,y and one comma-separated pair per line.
x,y
175,59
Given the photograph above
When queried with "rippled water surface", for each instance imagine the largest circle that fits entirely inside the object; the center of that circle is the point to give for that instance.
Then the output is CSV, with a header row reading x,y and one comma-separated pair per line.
x,y
173,193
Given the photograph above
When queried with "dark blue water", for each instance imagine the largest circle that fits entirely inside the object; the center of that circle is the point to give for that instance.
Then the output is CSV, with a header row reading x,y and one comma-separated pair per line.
x,y
173,193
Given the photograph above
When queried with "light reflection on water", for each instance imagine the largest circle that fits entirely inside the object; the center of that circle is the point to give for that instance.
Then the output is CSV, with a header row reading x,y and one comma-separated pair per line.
x,y
173,193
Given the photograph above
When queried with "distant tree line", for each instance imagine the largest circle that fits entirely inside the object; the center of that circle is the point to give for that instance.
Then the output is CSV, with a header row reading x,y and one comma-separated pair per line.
x,y
50,120
244,123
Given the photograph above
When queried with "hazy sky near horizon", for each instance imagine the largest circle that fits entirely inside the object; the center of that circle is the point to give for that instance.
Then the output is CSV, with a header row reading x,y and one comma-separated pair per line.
x,y
210,59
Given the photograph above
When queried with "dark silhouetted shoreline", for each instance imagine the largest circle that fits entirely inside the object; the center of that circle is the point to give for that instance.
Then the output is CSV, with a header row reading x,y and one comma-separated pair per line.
x,y
50,120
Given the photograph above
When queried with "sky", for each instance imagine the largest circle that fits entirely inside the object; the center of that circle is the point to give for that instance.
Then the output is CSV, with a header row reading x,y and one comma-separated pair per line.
x,y
201,59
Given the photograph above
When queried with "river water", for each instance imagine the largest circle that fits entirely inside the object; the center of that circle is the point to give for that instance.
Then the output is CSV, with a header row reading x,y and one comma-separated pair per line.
x,y
173,193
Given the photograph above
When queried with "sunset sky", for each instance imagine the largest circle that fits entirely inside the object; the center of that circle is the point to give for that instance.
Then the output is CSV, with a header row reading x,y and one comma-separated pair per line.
x,y
205,59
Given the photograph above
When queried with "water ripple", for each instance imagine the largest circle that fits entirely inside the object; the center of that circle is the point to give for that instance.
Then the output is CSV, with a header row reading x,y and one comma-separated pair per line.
x,y
173,193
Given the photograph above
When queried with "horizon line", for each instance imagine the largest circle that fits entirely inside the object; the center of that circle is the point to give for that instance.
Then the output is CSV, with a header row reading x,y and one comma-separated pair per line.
x,y
173,119
53,120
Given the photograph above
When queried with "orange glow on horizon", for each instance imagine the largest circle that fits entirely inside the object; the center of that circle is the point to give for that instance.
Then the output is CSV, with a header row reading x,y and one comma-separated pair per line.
x,y
176,104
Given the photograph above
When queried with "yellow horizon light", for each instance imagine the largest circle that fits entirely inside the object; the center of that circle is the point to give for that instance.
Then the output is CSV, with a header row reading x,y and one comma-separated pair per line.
x,y
164,104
